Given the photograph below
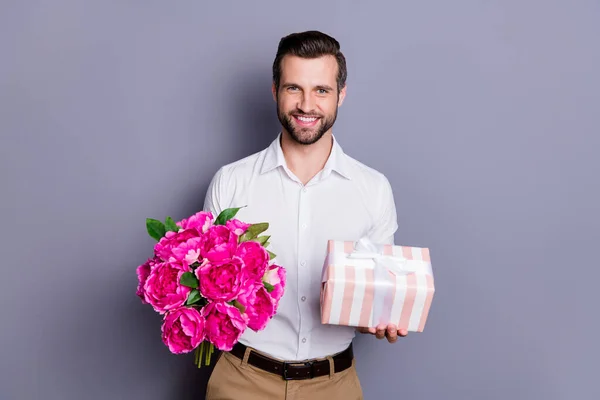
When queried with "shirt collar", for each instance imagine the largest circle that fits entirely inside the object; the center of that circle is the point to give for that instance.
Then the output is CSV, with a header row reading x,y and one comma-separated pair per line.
x,y
336,162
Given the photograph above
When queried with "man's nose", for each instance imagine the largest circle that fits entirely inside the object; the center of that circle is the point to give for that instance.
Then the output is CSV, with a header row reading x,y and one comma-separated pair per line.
x,y
307,103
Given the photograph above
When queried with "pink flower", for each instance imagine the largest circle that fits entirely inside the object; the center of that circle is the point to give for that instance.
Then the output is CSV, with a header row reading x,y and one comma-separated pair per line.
x,y
143,271
224,324
247,294
200,221
187,252
220,280
256,258
218,243
164,247
237,227
261,310
183,330
276,276
162,288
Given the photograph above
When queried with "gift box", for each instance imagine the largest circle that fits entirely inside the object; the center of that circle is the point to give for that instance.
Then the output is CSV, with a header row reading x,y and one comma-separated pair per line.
x,y
365,284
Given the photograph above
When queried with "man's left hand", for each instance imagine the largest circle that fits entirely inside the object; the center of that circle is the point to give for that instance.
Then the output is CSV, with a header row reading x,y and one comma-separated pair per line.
x,y
390,332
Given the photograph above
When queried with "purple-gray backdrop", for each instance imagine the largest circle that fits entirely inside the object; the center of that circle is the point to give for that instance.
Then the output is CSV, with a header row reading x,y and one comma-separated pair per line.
x,y
484,116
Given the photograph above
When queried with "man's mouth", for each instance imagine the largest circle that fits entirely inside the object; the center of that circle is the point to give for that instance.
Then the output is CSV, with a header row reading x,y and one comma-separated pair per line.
x,y
306,120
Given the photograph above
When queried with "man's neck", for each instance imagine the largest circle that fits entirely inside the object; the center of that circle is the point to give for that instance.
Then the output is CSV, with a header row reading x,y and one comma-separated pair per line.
x,y
305,161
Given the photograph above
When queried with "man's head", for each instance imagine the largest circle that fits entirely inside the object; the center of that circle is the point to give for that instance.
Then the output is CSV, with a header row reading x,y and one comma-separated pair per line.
x,y
309,84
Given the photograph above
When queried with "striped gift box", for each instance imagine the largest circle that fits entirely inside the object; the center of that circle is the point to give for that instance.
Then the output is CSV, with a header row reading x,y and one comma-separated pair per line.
x,y
349,287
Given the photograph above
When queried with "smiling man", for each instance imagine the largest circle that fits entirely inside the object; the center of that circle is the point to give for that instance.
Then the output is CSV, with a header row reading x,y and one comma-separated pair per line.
x,y
309,191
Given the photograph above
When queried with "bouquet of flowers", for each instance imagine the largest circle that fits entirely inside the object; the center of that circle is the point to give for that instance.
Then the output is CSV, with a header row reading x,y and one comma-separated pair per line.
x,y
210,279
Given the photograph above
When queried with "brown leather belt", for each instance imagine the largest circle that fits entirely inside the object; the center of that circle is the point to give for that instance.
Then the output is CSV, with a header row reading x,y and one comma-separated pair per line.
x,y
294,370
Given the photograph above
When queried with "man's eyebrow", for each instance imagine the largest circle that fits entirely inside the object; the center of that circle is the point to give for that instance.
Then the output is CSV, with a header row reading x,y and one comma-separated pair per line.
x,y
325,87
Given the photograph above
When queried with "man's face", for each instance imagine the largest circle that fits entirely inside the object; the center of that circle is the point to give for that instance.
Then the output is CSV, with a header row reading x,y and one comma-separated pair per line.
x,y
307,99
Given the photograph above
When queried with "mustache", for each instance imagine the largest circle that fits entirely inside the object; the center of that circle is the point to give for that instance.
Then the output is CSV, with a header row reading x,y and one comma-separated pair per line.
x,y
303,114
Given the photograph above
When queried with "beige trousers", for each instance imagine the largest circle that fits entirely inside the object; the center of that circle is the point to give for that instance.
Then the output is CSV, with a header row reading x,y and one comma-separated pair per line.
x,y
235,379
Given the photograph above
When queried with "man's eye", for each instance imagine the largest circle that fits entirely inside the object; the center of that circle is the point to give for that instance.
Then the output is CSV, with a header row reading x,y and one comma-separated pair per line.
x,y
292,88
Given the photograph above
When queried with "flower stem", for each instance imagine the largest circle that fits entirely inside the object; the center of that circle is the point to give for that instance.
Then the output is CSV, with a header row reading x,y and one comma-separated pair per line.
x,y
203,354
199,354
208,354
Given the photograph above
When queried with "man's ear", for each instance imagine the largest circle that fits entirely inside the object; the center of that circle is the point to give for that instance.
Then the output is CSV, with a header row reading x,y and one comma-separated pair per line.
x,y
342,95
274,91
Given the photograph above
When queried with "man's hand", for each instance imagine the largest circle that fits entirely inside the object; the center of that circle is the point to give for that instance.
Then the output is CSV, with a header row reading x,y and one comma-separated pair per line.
x,y
391,333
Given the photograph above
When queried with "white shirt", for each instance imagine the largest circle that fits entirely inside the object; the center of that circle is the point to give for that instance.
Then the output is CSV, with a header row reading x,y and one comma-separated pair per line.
x,y
344,201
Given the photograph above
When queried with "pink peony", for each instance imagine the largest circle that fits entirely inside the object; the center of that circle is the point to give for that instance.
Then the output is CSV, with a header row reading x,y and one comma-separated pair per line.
x,y
164,247
237,227
162,288
247,295
224,324
256,258
187,252
218,243
276,276
220,280
200,221
143,271
261,310
183,330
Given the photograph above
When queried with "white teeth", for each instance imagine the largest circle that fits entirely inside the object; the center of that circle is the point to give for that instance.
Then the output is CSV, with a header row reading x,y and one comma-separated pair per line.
x,y
305,119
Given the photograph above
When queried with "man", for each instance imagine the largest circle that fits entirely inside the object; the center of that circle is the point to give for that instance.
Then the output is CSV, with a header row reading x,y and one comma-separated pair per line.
x,y
309,191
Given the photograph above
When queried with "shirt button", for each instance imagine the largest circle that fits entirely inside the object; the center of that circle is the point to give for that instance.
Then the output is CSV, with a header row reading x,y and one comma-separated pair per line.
x,y
303,340
304,190
303,298
303,226
303,263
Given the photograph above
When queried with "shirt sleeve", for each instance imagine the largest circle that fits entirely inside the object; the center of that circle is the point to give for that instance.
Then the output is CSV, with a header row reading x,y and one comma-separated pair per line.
x,y
386,222
214,194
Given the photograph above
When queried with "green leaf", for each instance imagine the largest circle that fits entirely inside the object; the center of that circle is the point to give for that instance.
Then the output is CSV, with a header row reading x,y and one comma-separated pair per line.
x,y
226,215
262,239
193,297
271,254
189,279
269,287
254,230
257,229
156,229
170,225
266,244
244,238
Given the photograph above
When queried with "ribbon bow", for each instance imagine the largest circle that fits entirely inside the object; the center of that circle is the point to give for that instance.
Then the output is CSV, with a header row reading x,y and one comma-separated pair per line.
x,y
365,248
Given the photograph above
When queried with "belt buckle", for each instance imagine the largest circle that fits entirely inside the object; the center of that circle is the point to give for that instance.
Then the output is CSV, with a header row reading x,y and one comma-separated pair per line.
x,y
309,364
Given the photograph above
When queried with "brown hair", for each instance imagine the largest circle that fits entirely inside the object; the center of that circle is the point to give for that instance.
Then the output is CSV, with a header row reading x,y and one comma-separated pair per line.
x,y
310,44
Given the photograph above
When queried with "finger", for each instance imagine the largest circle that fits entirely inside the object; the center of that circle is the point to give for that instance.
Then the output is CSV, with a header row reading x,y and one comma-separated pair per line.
x,y
403,332
380,333
391,333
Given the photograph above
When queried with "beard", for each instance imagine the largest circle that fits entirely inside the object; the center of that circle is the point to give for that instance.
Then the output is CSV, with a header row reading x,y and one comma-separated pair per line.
x,y
306,136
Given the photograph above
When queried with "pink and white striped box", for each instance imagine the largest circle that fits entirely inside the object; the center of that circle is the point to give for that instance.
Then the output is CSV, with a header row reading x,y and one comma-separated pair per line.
x,y
351,294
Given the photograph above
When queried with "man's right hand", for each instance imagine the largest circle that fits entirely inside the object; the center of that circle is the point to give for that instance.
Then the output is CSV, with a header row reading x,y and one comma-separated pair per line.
x,y
390,332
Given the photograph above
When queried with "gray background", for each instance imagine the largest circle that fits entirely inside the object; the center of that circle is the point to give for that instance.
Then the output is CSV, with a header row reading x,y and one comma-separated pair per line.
x,y
483,114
